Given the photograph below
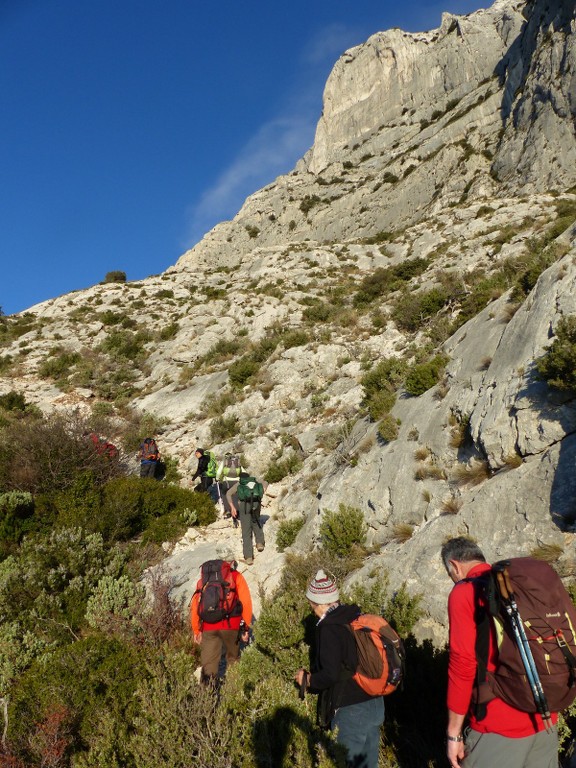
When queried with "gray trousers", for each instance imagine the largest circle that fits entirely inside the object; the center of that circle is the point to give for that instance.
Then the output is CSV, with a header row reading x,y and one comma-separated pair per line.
x,y
490,750
249,526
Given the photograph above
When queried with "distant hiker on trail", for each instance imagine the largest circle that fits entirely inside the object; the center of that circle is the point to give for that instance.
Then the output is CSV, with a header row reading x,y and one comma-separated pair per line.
x,y
498,734
149,456
245,499
206,469
220,615
227,473
342,703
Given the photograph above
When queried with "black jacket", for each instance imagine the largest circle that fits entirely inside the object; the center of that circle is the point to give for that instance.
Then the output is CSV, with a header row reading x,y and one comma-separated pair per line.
x,y
202,467
335,662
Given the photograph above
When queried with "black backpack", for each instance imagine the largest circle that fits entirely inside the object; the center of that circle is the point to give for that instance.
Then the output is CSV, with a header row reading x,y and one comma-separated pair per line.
x,y
536,669
218,594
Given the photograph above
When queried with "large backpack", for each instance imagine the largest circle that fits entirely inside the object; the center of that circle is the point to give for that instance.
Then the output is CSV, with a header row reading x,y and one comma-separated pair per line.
x,y
250,492
150,450
212,468
381,655
535,620
231,466
218,594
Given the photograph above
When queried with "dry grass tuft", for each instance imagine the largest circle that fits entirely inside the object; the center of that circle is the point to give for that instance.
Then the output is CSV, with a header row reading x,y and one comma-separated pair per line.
x,y
471,474
451,506
402,532
549,553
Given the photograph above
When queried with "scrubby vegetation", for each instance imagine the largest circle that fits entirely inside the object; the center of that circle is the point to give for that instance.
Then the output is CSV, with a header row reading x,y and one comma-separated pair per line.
x,y
558,365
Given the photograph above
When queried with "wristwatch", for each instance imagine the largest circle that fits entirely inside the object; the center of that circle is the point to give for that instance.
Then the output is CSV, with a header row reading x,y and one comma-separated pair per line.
x,y
455,738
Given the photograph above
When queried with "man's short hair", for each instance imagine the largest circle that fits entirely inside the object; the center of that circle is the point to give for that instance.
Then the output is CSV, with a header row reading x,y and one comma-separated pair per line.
x,y
461,549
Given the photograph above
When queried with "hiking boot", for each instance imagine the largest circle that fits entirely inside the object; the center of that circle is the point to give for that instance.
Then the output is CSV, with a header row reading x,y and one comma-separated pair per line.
x,y
248,560
260,547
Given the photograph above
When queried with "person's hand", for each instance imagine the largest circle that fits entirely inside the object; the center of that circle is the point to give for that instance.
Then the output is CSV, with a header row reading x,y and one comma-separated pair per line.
x,y
455,753
300,676
198,638
234,513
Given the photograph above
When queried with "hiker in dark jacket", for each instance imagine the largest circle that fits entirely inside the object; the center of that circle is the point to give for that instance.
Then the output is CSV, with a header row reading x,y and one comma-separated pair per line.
x,y
202,469
342,704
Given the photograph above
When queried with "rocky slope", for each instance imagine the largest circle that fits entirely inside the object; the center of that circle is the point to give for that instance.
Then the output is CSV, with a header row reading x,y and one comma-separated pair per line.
x,y
445,158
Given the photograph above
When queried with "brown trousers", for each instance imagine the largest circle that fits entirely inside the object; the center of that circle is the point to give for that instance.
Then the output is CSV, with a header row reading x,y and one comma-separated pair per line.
x,y
214,643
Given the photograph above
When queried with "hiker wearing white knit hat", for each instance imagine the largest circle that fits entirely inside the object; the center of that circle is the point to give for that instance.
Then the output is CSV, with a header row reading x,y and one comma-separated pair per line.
x,y
342,704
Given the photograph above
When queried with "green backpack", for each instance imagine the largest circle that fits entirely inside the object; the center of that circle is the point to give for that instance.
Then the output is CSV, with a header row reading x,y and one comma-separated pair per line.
x,y
250,491
212,468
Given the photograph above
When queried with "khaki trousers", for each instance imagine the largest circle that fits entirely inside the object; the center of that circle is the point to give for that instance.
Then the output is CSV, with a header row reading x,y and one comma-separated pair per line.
x,y
490,750
214,643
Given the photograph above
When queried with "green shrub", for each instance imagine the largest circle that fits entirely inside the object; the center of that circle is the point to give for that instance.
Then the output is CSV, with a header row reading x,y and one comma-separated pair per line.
x,y
242,371
386,279
47,454
308,202
279,469
342,530
13,401
169,331
47,584
126,344
412,309
388,428
295,339
116,276
94,682
422,377
223,428
319,312
287,532
558,365
16,511
58,365
380,385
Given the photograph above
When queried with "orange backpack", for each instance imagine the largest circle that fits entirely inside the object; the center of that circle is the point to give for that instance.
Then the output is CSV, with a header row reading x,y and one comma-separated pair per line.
x,y
381,655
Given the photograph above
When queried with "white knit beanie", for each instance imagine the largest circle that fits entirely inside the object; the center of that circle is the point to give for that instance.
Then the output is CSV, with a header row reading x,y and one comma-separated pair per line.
x,y
322,590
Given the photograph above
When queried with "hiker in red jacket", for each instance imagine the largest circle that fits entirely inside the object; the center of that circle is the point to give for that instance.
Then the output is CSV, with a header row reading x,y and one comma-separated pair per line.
x,y
221,635
505,737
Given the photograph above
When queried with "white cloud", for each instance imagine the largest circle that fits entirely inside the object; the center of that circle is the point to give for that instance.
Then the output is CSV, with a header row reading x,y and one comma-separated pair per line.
x,y
272,151
282,140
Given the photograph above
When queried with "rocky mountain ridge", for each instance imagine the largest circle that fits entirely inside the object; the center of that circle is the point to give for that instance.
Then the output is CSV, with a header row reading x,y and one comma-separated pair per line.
x,y
443,161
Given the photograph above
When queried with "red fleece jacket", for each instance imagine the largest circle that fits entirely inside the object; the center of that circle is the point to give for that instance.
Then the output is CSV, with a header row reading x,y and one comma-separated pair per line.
x,y
500,718
234,623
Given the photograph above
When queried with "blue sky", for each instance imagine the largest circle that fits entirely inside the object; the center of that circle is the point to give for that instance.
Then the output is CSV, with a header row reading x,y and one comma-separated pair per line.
x,y
129,128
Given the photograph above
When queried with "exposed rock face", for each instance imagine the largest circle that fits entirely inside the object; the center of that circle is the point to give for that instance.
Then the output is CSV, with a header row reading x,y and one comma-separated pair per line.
x,y
537,150
453,149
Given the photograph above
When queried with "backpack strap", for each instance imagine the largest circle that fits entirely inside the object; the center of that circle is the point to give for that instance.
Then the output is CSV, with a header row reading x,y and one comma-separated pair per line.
x,y
482,618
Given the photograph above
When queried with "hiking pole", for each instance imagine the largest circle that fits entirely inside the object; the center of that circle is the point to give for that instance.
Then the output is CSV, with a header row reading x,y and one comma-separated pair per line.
x,y
220,501
524,647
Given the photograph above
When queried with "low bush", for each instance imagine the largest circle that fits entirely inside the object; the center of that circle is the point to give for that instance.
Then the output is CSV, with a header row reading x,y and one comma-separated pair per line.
x,y
278,468
413,309
287,532
558,365
47,454
342,530
422,377
116,276
223,428
388,428
380,385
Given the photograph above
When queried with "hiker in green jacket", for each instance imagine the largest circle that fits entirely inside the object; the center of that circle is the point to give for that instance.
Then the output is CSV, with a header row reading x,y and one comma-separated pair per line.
x,y
245,499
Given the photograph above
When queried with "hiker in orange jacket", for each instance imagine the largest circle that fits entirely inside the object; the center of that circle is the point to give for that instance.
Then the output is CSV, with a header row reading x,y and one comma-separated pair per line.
x,y
224,636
